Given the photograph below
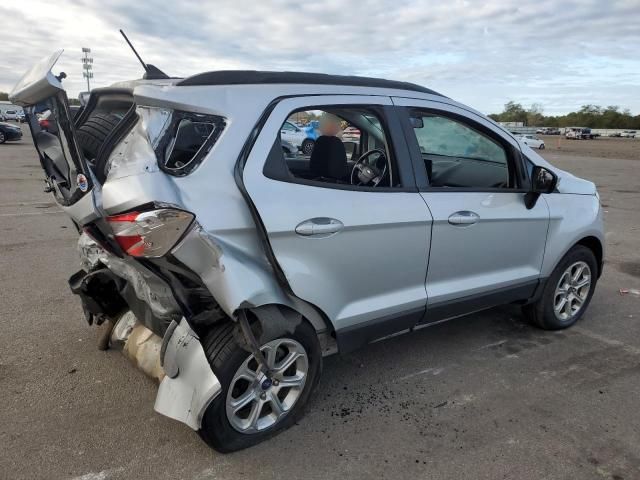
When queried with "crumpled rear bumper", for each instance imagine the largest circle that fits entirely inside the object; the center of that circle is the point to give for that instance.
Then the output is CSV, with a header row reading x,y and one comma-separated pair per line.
x,y
189,385
172,355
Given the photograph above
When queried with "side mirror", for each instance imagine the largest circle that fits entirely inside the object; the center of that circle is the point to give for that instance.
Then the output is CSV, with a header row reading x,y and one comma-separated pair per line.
x,y
542,181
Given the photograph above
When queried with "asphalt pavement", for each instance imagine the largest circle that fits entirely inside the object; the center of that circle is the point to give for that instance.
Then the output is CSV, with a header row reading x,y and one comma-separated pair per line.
x,y
485,396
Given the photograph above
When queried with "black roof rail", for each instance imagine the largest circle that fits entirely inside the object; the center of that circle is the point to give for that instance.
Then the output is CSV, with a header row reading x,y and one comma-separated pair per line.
x,y
253,77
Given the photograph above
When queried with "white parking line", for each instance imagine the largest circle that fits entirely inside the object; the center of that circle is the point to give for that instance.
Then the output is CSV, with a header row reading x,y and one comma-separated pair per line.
x,y
29,213
606,340
490,345
432,371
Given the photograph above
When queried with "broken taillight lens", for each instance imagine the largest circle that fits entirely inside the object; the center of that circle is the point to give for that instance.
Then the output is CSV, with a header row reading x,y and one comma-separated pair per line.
x,y
150,234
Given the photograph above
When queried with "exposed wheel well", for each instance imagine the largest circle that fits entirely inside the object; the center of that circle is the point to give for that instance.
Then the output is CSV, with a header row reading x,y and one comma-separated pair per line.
x,y
593,244
316,318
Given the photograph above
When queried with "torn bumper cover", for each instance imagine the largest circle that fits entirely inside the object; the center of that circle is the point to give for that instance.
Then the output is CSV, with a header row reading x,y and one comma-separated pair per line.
x,y
189,385
150,330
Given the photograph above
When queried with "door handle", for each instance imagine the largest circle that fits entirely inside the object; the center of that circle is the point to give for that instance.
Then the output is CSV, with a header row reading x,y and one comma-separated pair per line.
x,y
319,227
463,217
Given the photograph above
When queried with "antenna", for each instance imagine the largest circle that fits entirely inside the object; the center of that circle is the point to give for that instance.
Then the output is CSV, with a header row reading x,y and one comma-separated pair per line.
x,y
126,39
151,72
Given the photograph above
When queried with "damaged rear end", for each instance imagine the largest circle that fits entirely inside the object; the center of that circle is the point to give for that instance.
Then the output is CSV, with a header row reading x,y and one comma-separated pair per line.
x,y
173,267
112,169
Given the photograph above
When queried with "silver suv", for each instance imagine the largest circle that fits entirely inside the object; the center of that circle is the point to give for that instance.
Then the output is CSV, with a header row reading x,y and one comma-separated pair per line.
x,y
227,269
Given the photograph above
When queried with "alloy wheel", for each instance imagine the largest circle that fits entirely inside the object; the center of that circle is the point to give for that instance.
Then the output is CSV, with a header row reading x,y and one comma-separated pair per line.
x,y
572,291
256,401
307,147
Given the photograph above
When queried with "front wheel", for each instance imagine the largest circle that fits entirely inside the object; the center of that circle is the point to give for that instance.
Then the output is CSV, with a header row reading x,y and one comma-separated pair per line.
x,y
2,137
567,292
541,147
252,406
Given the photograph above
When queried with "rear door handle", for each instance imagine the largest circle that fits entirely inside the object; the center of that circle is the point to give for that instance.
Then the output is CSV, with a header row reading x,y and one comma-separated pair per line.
x,y
319,227
463,217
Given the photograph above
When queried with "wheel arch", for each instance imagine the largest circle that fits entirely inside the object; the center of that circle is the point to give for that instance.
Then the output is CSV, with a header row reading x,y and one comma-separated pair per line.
x,y
595,245
294,311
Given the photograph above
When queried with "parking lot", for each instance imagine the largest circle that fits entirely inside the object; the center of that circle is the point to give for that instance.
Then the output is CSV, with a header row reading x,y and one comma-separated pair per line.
x,y
485,396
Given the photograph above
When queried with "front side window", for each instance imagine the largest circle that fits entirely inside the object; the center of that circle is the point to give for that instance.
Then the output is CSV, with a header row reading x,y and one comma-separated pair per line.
x,y
344,145
456,155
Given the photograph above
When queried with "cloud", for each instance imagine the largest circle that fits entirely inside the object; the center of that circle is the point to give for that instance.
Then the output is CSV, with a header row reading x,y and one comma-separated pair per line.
x,y
563,54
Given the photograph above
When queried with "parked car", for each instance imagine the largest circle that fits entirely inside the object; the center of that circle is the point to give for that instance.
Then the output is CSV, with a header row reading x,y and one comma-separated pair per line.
x,y
288,148
20,117
579,133
351,134
532,141
10,114
615,134
296,136
46,123
628,134
240,268
9,132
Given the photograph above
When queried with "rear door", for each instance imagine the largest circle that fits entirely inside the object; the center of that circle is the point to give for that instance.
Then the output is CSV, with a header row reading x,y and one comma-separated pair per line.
x,y
487,246
67,174
358,253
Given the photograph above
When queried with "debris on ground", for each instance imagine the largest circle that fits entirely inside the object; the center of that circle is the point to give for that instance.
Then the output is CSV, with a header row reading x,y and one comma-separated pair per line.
x,y
632,291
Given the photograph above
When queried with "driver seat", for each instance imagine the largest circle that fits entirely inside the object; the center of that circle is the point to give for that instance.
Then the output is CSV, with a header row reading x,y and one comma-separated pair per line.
x,y
328,160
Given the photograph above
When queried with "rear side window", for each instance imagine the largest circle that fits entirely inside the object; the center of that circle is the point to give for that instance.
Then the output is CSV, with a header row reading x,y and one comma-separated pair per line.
x,y
182,139
457,155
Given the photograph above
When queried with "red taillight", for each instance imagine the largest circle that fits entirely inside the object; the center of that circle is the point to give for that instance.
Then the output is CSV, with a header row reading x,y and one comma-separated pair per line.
x,y
150,234
44,124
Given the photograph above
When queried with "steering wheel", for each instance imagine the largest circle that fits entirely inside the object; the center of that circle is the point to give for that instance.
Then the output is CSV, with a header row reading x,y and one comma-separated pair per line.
x,y
366,174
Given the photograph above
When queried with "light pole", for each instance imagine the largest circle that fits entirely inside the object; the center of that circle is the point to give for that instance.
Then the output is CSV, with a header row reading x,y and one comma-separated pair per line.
x,y
87,65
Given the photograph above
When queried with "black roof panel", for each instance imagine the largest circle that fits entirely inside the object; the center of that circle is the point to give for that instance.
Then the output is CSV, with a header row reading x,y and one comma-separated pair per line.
x,y
251,77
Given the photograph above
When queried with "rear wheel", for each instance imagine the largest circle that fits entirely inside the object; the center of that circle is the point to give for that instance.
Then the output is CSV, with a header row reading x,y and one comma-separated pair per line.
x,y
541,147
2,137
253,406
567,292
307,146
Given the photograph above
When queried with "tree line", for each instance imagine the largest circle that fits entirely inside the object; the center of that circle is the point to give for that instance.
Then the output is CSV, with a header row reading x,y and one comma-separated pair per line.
x,y
593,116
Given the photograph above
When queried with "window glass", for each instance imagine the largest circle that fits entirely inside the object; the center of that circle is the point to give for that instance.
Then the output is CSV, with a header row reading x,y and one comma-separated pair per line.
x,y
457,155
288,126
339,145
189,138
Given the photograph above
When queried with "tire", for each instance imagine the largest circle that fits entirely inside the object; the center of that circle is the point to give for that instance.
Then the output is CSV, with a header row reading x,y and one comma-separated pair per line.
x,y
226,357
541,147
92,134
307,146
2,138
542,312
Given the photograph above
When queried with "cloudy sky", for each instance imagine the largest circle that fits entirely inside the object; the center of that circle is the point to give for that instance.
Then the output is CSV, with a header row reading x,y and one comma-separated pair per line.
x,y
561,54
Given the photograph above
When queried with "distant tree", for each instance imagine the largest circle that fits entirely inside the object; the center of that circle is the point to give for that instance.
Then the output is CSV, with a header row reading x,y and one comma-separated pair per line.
x,y
535,116
514,112
593,116
4,96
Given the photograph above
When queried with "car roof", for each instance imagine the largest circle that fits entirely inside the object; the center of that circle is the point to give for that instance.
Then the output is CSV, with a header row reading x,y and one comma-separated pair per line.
x,y
255,77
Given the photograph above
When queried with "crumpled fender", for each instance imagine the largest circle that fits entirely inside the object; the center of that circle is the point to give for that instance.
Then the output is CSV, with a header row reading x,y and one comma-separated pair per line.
x,y
236,279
